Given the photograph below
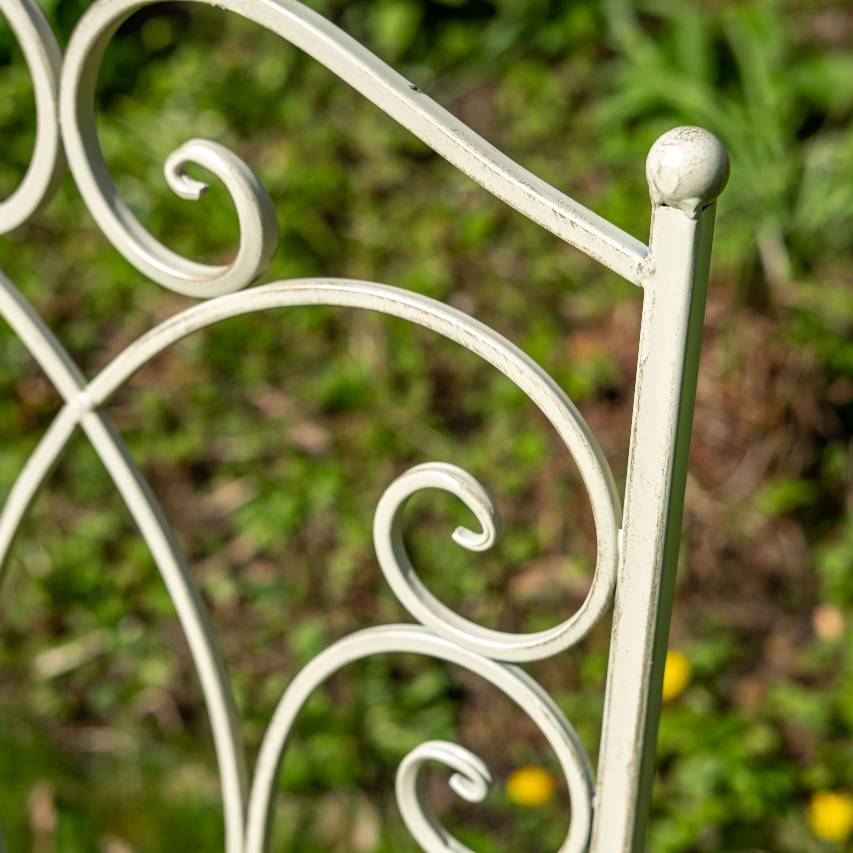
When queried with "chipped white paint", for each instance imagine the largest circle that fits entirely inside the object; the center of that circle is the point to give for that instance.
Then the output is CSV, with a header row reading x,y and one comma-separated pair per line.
x,y
687,168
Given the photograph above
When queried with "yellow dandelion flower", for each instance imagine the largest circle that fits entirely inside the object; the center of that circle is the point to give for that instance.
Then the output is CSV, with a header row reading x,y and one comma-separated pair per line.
x,y
676,675
830,815
530,787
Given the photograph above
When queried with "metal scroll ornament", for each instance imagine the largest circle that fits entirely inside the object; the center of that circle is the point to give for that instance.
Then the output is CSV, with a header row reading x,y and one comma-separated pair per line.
x,y
687,168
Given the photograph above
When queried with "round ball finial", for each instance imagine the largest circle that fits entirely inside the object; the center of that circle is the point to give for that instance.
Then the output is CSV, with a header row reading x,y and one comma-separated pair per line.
x,y
687,168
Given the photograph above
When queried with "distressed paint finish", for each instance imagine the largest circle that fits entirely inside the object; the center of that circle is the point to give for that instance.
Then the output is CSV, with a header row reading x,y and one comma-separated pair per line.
x,y
636,556
673,311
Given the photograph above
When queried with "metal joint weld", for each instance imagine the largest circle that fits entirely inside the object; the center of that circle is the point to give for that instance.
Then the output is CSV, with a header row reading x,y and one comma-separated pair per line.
x,y
82,403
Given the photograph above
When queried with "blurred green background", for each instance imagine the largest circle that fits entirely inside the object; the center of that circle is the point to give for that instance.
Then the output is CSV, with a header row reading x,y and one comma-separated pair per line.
x,y
269,439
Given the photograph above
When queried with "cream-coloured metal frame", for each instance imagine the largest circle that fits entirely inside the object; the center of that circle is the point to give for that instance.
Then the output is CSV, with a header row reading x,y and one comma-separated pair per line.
x,y
637,545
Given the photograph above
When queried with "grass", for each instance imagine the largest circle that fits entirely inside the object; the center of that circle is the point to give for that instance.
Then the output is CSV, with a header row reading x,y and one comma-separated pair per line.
x,y
269,439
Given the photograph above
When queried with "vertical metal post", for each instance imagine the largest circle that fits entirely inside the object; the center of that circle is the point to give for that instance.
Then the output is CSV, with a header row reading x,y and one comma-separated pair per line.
x,y
687,168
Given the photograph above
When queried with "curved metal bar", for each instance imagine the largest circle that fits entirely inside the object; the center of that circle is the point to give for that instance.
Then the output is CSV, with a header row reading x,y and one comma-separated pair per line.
x,y
415,639
368,75
471,781
184,594
490,346
256,216
473,335
44,59
30,479
68,381
153,525
82,406
427,609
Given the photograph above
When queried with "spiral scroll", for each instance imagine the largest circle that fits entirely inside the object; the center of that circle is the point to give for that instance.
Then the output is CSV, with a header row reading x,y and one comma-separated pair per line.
x,y
467,641
375,80
515,683
422,604
471,780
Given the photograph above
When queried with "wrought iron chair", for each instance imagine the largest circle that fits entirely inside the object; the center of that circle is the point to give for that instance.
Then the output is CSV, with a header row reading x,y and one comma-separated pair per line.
x,y
637,545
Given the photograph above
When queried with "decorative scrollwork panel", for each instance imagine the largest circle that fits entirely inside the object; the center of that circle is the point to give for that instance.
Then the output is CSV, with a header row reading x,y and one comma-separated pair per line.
x,y
635,557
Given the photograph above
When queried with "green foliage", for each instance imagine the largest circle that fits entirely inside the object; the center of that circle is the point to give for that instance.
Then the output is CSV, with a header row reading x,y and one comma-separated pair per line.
x,y
778,104
269,439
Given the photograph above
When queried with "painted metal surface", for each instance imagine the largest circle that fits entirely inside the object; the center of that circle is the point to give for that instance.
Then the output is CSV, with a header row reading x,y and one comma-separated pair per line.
x,y
636,556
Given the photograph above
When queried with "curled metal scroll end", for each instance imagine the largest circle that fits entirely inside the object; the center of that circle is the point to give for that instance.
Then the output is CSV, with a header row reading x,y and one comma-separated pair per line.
x,y
478,541
255,212
472,786
471,781
413,594
175,170
448,478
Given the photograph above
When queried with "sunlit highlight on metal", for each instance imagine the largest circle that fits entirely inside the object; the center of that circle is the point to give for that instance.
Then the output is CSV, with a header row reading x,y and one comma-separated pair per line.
x,y
44,59
687,168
